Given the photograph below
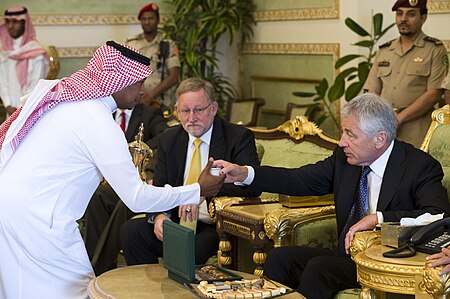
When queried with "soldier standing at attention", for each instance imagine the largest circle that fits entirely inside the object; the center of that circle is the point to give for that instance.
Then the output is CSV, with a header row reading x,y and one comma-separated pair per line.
x,y
409,71
163,56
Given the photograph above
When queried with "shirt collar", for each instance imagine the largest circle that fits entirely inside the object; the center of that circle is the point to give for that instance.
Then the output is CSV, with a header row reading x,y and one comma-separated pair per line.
x,y
127,111
206,137
379,165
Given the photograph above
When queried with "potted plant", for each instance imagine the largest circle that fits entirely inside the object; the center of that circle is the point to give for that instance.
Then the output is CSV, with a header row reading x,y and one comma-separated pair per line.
x,y
348,82
197,25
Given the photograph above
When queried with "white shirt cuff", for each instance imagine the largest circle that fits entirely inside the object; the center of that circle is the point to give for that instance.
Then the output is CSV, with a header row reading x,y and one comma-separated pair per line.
x,y
249,179
380,217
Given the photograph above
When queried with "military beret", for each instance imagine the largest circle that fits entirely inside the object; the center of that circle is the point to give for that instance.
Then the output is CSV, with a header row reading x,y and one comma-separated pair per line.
x,y
150,7
409,3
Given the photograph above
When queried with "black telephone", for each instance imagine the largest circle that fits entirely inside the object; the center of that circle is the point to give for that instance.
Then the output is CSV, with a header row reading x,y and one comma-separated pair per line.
x,y
429,239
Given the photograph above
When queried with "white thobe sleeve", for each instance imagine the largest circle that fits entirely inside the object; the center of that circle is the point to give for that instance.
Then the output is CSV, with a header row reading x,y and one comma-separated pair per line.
x,y
107,147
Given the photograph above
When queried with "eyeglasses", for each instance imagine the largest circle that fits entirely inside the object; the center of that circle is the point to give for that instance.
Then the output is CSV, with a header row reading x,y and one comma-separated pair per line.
x,y
196,111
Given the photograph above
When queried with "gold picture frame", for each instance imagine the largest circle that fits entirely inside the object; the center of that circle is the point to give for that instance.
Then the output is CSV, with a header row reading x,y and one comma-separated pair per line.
x,y
327,12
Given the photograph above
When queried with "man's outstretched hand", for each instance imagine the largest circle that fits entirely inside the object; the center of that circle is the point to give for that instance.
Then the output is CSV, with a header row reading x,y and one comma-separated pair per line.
x,y
210,184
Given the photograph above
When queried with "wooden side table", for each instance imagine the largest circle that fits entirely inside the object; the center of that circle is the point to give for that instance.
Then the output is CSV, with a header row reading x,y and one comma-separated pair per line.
x,y
243,221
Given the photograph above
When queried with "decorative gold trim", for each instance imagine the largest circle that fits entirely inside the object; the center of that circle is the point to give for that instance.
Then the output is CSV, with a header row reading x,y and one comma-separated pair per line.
x,y
87,19
297,128
76,52
219,203
363,240
299,14
239,229
438,6
311,49
439,117
434,284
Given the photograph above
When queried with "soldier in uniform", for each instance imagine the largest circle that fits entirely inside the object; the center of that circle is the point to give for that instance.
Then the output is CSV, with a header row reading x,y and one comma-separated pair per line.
x,y
152,44
409,71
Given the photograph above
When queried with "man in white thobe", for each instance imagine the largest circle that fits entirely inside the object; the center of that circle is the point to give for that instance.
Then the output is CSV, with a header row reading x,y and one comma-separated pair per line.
x,y
23,61
53,153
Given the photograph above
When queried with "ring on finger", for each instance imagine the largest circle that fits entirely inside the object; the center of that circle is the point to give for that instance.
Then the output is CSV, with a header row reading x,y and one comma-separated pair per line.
x,y
188,209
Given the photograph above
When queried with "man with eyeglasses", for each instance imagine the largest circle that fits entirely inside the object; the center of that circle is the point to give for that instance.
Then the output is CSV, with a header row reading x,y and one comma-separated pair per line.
x,y
141,239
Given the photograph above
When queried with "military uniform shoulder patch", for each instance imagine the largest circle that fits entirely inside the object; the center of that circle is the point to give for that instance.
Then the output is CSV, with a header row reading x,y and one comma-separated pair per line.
x,y
386,44
445,60
433,40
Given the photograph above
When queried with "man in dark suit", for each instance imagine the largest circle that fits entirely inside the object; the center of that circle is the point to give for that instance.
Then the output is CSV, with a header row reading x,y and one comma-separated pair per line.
x,y
399,181
98,223
196,106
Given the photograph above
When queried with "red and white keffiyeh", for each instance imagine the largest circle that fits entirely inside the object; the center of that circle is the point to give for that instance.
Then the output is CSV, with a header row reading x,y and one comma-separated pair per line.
x,y
29,47
108,72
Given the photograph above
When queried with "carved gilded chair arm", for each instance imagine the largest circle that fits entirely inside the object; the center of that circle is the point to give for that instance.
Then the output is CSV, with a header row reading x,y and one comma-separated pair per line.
x,y
280,222
363,240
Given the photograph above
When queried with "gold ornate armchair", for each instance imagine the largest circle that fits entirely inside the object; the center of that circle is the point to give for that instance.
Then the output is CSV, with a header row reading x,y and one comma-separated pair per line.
x,y
298,142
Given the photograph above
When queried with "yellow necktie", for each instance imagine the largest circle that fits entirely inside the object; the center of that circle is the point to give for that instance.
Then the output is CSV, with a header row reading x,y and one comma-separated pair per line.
x,y
194,172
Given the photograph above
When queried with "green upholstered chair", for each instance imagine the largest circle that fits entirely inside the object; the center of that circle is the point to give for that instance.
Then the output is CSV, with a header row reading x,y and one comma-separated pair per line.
x,y
437,141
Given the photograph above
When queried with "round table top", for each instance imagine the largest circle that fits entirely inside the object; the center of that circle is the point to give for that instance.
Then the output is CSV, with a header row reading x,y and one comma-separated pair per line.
x,y
376,253
146,281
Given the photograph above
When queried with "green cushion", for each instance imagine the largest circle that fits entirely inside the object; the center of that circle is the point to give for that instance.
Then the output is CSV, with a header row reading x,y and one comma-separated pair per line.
x,y
286,153
318,233
439,148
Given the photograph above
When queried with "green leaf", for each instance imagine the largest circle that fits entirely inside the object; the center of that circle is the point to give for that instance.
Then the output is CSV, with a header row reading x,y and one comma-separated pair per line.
x,y
303,94
343,60
336,90
377,24
364,43
345,73
355,27
322,88
353,90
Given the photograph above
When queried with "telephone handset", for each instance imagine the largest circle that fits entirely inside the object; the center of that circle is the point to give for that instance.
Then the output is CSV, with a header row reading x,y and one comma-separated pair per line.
x,y
429,239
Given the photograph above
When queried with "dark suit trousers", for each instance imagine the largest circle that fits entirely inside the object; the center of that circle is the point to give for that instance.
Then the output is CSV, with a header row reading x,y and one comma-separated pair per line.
x,y
103,218
316,272
141,246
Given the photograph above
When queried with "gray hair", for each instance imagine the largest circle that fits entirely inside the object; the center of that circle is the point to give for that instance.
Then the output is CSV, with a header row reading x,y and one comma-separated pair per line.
x,y
196,84
374,114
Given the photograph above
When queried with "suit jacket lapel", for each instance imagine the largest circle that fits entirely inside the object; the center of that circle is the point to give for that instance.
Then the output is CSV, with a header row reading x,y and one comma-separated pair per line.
x,y
348,190
217,146
392,177
179,155
134,123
